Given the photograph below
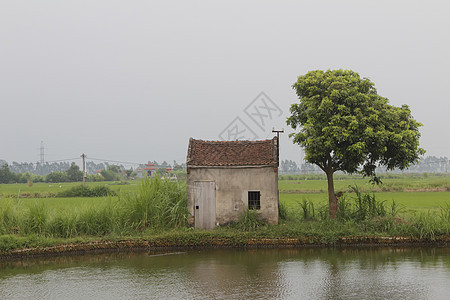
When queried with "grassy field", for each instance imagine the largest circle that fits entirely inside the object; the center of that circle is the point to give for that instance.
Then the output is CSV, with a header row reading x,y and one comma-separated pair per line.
x,y
414,193
410,202
412,182
155,208
18,188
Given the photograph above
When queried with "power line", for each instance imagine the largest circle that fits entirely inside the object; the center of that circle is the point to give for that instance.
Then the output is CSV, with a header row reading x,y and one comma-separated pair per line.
x,y
115,161
52,161
60,160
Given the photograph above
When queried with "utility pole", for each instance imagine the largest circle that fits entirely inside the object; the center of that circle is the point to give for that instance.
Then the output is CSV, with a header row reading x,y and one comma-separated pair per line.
x,y
84,168
278,142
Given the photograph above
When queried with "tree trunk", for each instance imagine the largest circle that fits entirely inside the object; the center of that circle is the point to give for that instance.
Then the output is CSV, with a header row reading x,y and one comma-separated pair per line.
x,y
331,195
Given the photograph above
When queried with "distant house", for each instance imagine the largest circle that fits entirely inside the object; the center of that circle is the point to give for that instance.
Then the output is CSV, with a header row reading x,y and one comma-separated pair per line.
x,y
139,172
150,170
224,178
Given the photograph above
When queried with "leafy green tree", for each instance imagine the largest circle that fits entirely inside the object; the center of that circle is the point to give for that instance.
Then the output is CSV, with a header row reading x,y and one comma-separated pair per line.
x,y
128,173
74,173
114,169
344,125
5,175
110,175
56,177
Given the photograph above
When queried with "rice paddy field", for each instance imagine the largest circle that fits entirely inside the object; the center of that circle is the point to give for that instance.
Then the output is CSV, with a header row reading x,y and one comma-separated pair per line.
x,y
42,215
413,193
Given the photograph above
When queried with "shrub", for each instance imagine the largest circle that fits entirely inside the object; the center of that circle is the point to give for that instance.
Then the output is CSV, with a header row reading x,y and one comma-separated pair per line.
x,y
160,203
307,209
86,191
36,219
282,211
364,206
250,220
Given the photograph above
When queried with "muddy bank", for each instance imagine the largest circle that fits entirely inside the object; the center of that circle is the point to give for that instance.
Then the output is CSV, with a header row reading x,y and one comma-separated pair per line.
x,y
162,244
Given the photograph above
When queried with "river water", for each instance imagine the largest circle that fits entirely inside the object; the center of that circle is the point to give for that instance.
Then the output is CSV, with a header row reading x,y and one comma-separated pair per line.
x,y
313,273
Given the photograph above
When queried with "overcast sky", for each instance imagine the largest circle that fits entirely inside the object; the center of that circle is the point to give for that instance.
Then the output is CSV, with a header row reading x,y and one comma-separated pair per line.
x,y
133,80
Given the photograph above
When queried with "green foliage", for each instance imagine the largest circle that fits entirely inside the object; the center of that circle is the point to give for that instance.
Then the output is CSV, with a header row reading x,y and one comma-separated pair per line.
x,y
110,175
64,224
250,220
5,175
346,126
367,206
445,213
395,209
308,211
159,203
35,220
427,226
282,211
87,191
9,217
363,207
55,177
74,173
136,213
114,169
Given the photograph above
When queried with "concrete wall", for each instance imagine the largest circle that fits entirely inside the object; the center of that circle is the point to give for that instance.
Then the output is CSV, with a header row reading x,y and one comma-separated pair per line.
x,y
232,186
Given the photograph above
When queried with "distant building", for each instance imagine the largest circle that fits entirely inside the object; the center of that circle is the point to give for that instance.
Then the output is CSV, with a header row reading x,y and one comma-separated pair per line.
x,y
224,178
139,172
149,170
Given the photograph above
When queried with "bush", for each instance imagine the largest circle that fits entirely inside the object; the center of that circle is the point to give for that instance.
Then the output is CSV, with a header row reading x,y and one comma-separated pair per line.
x,y
250,221
55,177
86,191
160,203
308,211
282,211
364,206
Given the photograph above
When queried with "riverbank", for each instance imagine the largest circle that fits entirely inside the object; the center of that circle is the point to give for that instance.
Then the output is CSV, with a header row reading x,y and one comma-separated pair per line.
x,y
204,240
153,216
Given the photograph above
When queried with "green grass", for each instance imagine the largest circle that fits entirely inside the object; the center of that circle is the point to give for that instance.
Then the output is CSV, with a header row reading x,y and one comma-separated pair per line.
x,y
158,208
412,202
157,204
56,205
18,188
342,182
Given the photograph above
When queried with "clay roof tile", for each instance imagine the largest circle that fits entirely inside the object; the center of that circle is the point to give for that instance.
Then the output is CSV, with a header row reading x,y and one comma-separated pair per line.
x,y
232,153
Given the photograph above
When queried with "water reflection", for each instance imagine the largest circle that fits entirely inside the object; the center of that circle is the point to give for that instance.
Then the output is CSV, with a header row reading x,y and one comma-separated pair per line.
x,y
348,273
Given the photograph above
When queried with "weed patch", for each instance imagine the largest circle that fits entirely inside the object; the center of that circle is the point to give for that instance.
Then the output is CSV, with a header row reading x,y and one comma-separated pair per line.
x,y
87,191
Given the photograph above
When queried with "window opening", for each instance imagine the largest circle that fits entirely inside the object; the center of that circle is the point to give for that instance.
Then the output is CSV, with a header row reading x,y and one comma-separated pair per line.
x,y
254,200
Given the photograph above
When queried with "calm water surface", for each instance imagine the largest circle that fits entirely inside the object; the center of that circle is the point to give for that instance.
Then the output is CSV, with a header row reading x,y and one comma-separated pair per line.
x,y
383,273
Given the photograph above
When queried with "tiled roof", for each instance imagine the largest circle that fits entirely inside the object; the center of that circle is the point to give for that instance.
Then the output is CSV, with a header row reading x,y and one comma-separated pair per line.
x,y
232,153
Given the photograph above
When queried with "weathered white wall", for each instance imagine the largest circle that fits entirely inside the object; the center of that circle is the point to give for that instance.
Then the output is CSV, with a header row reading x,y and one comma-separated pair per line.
x,y
232,186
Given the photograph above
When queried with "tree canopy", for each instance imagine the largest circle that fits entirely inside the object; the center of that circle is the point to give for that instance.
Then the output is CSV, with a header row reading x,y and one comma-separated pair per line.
x,y
74,173
344,125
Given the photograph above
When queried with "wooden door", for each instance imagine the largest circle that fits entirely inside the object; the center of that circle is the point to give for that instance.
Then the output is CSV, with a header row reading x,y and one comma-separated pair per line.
x,y
205,204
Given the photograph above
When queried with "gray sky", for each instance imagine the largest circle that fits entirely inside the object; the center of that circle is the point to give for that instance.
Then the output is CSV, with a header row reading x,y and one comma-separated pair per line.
x,y
133,80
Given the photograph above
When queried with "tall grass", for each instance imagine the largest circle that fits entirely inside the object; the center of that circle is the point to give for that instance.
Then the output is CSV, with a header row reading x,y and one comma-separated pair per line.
x,y
158,204
250,221
368,215
9,217
364,206
282,211
307,209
